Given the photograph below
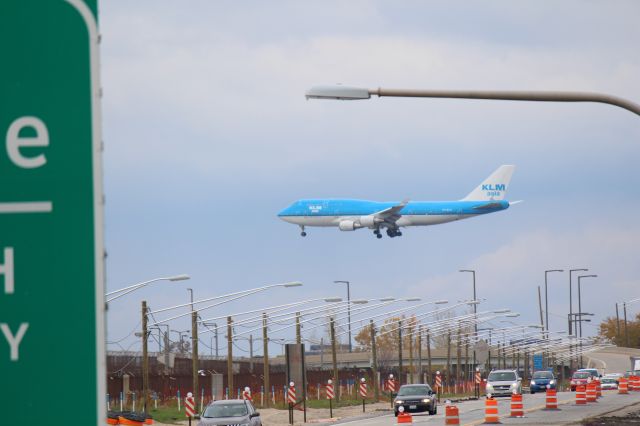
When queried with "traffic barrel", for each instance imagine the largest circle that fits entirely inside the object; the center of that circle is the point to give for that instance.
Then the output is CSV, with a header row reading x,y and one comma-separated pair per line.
x,y
451,415
592,394
189,405
623,388
551,399
112,418
636,383
631,382
517,408
148,420
581,395
329,390
404,418
598,388
491,411
291,393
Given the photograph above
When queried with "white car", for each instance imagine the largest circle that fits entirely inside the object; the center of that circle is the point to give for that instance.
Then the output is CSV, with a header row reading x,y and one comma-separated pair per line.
x,y
608,383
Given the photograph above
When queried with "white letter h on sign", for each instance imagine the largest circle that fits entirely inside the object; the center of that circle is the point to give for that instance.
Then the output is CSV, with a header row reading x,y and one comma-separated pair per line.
x,y
6,269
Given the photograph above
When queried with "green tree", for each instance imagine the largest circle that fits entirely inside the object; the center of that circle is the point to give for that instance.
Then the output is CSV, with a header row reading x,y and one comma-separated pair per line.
x,y
609,331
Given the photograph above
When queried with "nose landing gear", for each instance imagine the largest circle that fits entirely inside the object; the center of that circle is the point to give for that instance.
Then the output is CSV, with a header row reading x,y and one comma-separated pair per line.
x,y
302,233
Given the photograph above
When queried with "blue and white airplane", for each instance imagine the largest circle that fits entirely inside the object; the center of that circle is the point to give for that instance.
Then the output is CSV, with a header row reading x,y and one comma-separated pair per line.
x,y
349,215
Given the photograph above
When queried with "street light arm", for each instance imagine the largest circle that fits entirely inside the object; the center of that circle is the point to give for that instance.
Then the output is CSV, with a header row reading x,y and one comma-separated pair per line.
x,y
508,95
134,287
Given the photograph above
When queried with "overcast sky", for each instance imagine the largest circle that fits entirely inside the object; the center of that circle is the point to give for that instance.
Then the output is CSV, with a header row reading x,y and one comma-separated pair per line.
x,y
208,135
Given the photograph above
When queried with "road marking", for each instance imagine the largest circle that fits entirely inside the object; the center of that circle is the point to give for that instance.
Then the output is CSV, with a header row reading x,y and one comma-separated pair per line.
x,y
604,364
27,207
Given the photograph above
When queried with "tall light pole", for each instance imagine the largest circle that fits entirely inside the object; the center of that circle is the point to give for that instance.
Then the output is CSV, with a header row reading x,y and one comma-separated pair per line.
x,y
580,305
571,295
348,307
358,93
546,298
475,308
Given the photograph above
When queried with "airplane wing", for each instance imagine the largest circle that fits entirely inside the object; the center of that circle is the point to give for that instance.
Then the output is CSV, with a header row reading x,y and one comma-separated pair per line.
x,y
391,214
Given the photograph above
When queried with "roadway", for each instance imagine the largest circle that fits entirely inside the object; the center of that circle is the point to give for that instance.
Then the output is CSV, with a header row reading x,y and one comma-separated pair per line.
x,y
613,360
472,412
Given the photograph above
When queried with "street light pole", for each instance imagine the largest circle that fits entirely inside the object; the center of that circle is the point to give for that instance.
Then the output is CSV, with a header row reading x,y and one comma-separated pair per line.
x,y
357,93
475,308
571,296
580,308
348,308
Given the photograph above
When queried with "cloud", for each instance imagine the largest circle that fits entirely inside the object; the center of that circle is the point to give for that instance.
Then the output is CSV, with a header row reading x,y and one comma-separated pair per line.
x,y
509,275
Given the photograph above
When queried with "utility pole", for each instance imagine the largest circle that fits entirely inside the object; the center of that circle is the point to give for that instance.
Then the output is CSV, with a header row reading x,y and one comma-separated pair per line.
x,y
626,330
410,378
617,325
265,360
334,356
251,353
166,351
145,357
194,352
399,353
459,354
298,333
449,358
216,334
466,360
230,357
419,343
429,355
374,362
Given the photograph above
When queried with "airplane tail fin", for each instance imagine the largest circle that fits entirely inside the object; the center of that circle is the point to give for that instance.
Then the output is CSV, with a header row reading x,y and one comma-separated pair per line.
x,y
494,187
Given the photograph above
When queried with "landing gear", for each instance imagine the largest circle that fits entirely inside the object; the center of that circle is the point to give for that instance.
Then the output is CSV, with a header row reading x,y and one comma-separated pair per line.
x,y
302,233
393,232
377,233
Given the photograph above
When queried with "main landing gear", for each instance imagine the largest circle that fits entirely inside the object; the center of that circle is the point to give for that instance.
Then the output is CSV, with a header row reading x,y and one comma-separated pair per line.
x,y
302,233
391,232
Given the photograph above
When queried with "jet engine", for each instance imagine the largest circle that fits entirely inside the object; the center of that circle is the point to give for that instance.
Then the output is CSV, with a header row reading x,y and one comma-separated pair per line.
x,y
367,221
347,225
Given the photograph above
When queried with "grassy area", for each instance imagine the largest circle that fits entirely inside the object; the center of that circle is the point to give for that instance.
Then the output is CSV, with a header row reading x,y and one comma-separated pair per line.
x,y
167,414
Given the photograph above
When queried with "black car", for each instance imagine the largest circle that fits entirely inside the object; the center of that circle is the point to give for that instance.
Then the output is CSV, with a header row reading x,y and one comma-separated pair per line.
x,y
415,399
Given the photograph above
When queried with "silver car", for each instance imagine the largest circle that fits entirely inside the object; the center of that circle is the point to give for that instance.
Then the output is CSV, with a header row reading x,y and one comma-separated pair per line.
x,y
503,382
232,412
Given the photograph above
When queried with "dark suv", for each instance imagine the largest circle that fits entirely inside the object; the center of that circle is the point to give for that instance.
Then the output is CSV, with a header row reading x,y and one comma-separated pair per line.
x,y
415,399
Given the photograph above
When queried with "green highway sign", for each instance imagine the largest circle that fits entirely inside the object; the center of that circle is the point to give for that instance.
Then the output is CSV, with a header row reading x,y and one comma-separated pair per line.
x,y
51,207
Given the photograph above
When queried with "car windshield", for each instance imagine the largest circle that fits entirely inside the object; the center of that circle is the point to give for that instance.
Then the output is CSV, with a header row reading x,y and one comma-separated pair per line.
x,y
503,376
608,380
581,375
226,410
591,372
413,390
542,375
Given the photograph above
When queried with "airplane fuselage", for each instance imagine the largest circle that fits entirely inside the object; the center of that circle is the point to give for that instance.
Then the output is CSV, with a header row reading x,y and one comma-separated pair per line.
x,y
330,212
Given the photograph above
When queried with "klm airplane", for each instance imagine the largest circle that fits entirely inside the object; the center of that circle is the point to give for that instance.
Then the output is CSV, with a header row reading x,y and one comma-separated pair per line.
x,y
349,215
